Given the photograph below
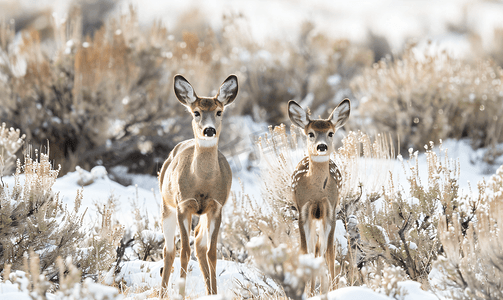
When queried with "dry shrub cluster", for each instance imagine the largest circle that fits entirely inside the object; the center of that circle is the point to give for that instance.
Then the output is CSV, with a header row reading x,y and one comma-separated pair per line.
x,y
264,231
107,98
32,217
399,226
35,223
302,70
385,279
472,262
85,95
10,142
148,238
424,97
392,232
34,283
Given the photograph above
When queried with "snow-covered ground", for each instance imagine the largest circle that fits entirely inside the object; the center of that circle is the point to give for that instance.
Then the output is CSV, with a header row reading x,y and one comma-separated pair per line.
x,y
397,20
144,276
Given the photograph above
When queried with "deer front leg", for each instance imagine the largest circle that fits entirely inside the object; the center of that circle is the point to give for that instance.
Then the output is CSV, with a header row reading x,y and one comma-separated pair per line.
x,y
330,255
169,229
303,228
213,229
302,234
202,241
184,221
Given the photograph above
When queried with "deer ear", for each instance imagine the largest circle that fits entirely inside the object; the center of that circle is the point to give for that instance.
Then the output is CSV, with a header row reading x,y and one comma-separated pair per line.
x,y
228,91
184,91
297,114
341,113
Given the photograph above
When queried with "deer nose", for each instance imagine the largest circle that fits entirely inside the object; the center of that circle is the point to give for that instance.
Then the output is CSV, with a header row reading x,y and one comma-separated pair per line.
x,y
322,148
209,131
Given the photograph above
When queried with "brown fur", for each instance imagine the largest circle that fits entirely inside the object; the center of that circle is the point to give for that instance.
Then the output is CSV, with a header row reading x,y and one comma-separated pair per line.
x,y
207,104
196,180
316,196
320,125
316,183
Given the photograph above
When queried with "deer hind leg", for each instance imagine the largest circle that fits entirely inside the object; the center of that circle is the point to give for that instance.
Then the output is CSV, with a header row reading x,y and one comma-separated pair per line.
x,y
169,230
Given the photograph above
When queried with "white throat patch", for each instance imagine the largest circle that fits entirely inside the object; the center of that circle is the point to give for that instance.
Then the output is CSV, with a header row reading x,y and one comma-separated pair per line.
x,y
320,158
207,142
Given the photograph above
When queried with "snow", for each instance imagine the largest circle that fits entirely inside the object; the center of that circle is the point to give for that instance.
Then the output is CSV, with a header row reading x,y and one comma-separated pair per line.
x,y
340,236
412,246
139,274
142,274
414,291
15,295
396,20
353,293
144,277
473,169
100,188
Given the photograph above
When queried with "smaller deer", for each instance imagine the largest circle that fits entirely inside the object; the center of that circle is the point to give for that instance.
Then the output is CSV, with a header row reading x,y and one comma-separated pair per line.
x,y
316,183
196,179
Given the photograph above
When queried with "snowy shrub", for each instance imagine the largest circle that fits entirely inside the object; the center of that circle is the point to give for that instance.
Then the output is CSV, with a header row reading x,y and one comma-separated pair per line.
x,y
32,217
35,285
275,221
108,97
472,264
10,142
87,96
148,238
97,252
399,226
385,279
314,69
239,227
365,166
277,256
256,234
425,97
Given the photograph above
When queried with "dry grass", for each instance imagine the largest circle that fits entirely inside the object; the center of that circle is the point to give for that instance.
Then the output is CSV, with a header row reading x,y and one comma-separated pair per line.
x,y
423,97
266,231
10,142
394,232
105,99
472,263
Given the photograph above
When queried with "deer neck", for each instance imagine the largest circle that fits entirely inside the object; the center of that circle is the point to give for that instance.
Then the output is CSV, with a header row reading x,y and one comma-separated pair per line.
x,y
205,162
318,171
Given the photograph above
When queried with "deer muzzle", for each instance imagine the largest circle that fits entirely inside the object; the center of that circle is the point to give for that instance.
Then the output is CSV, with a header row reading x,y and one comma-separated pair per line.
x,y
209,132
322,148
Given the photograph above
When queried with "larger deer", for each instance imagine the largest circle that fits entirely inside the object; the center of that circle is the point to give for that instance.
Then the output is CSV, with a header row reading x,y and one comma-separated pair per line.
x,y
196,180
316,183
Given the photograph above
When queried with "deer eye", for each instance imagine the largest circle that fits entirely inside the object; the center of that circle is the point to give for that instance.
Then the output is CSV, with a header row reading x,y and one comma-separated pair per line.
x,y
196,114
219,113
330,134
311,135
